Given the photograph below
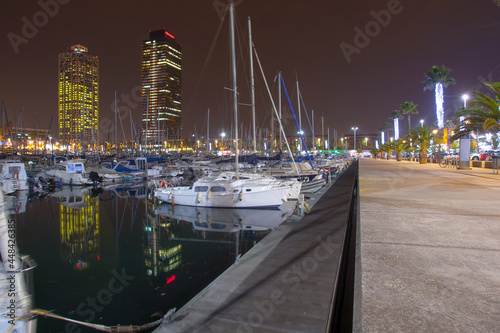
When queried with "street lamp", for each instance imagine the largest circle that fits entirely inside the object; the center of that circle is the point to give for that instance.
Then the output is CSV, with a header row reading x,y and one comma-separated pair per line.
x,y
354,129
222,135
366,143
464,151
465,97
421,123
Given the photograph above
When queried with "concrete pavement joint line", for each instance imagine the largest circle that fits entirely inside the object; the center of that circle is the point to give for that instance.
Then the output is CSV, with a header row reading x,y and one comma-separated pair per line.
x,y
434,246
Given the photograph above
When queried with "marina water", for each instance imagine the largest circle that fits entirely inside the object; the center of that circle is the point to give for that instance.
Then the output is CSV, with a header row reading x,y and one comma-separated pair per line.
x,y
118,256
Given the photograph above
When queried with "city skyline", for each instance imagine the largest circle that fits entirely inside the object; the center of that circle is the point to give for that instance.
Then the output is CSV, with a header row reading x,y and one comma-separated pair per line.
x,y
355,62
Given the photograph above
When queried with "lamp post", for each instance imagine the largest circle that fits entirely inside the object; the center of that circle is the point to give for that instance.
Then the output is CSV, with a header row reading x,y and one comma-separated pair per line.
x,y
421,123
354,129
222,135
465,97
366,143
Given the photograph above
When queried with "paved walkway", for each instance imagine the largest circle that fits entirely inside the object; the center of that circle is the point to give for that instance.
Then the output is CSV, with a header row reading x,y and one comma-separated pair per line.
x,y
430,249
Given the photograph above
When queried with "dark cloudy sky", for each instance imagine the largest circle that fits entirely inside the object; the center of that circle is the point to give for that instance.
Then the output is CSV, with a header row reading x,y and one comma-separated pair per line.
x,y
300,38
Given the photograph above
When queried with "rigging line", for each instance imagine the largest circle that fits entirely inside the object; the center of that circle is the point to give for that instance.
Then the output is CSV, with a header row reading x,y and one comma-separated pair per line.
x,y
207,61
274,108
307,116
296,124
243,50
484,79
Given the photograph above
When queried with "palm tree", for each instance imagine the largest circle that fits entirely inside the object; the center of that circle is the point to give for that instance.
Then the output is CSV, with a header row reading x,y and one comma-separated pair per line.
x,y
387,148
383,129
436,79
407,109
422,138
482,112
375,152
398,146
449,124
395,116
487,108
494,141
387,129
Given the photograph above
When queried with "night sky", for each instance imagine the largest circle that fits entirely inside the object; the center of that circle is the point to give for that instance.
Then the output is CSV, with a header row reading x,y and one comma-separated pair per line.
x,y
300,38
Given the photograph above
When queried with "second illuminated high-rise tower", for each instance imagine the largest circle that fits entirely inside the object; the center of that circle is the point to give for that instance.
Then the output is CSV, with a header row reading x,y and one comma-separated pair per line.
x,y
161,88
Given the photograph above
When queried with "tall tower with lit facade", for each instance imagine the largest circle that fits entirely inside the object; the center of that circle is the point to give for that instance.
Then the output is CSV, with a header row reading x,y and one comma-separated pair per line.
x,y
78,98
161,88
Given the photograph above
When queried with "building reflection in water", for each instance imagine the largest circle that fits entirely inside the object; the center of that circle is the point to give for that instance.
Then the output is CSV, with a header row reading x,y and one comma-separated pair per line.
x,y
80,228
159,259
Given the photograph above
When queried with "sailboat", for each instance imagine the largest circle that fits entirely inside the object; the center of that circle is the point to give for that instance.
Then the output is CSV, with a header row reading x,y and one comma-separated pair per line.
x,y
233,189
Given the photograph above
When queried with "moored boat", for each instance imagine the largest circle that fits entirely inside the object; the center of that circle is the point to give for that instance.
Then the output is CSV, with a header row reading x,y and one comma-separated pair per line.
x,y
225,190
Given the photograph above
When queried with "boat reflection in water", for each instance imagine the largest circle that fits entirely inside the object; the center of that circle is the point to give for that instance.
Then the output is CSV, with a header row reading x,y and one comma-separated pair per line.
x,y
82,239
227,220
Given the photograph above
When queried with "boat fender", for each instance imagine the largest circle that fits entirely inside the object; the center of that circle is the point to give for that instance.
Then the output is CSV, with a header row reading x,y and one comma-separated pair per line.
x,y
307,208
240,196
198,197
209,194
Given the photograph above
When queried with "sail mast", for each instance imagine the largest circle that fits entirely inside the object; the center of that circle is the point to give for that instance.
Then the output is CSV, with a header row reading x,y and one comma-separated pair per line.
x,y
252,84
235,91
208,132
279,106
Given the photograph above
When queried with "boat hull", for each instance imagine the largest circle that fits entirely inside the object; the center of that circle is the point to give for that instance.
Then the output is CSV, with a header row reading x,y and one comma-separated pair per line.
x,y
251,195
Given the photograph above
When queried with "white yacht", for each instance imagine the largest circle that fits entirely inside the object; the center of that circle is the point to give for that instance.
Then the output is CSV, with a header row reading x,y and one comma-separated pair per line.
x,y
225,190
13,176
70,172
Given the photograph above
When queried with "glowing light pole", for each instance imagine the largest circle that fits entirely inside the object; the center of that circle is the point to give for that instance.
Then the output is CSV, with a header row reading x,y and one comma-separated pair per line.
x,y
439,104
354,129
464,163
465,97
421,123
222,135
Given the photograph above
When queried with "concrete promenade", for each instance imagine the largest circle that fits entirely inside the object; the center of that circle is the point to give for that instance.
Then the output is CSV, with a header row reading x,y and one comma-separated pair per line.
x,y
430,249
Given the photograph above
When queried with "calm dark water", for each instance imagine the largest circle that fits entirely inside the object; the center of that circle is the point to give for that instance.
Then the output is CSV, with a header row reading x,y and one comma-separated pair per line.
x,y
108,258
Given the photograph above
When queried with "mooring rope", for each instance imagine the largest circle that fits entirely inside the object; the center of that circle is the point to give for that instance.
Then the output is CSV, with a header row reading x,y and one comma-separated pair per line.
x,y
112,329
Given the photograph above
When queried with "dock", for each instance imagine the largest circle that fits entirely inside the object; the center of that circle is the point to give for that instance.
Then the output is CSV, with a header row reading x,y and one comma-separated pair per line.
x,y
427,259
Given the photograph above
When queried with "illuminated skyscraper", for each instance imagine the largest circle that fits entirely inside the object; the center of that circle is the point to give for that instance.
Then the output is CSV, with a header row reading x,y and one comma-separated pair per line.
x,y
78,98
161,87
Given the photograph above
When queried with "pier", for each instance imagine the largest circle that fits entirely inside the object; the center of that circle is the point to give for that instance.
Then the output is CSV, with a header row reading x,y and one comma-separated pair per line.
x,y
427,260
